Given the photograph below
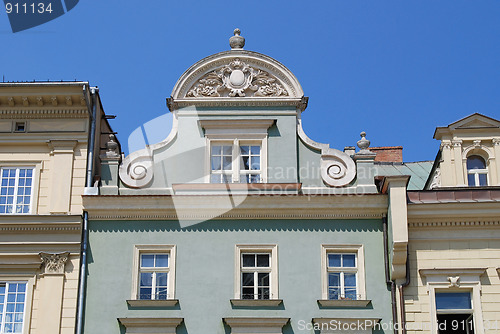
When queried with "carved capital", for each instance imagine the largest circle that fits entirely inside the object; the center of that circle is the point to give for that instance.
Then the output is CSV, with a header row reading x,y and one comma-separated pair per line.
x,y
496,141
477,143
446,144
54,263
457,143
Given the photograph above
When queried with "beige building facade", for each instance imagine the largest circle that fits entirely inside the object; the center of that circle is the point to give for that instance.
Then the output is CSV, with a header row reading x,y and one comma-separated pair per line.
x,y
44,142
447,264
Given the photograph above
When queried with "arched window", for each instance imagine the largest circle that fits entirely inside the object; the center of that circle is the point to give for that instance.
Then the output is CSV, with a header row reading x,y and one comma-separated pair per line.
x,y
477,171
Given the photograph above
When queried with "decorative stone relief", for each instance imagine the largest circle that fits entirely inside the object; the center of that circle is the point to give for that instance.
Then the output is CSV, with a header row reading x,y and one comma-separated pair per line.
x,y
477,143
436,180
495,141
237,79
54,263
454,281
136,171
112,147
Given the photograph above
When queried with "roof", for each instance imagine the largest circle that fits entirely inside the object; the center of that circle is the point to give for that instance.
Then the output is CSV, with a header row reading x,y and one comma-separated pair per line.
x,y
418,171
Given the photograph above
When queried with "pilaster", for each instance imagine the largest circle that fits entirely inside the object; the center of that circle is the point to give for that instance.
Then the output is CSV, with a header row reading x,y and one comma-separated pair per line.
x,y
447,179
459,169
496,148
62,156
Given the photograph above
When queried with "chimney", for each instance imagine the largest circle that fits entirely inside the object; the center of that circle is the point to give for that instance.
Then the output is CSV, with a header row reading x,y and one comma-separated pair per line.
x,y
388,153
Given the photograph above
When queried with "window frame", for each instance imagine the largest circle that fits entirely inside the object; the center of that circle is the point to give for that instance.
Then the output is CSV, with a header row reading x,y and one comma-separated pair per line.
x,y
35,185
272,250
477,172
358,250
236,172
153,249
29,279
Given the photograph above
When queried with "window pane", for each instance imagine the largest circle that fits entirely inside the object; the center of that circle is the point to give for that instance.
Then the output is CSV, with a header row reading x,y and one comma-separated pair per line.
x,y
216,150
334,293
262,260
263,293
475,162
245,150
255,163
247,279
216,163
350,294
247,293
161,293
254,178
215,178
146,279
334,279
161,279
483,180
145,293
263,279
245,165
227,150
333,260
248,260
255,150
226,163
471,179
161,260
349,260
147,260
453,300
350,280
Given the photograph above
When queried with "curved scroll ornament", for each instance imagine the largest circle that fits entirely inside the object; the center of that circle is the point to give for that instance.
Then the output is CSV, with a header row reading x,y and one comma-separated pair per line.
x,y
237,79
337,168
136,170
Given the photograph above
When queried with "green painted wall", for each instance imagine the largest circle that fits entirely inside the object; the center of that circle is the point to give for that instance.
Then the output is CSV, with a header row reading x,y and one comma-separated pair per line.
x,y
205,270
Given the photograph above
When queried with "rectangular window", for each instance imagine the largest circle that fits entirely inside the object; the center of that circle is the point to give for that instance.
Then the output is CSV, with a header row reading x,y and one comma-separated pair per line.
x,y
255,275
343,272
154,276
243,164
342,276
256,272
16,187
454,313
12,306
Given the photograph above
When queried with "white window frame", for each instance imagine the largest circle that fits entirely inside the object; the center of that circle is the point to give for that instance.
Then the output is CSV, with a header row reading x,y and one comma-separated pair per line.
x,y
236,172
476,172
455,280
28,301
358,250
153,249
37,168
256,249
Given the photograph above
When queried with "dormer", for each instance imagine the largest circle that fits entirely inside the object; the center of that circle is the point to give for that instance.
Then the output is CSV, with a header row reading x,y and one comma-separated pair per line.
x,y
469,153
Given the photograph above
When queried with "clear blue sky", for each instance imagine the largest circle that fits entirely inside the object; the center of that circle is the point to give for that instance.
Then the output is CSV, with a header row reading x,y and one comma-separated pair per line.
x,y
395,69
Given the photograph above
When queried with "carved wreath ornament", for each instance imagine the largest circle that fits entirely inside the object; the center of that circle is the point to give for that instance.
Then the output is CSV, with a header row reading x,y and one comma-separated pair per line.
x,y
237,79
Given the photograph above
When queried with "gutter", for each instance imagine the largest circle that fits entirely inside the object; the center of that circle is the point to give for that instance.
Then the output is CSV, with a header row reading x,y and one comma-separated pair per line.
x,y
92,107
401,295
388,281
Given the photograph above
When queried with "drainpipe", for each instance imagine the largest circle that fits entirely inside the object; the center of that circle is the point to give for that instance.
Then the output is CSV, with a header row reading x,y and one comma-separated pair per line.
x,y
401,295
92,107
388,281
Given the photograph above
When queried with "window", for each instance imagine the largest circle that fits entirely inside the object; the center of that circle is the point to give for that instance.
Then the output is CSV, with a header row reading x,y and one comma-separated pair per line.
x,y
242,164
454,313
477,172
16,190
343,272
342,276
12,306
256,272
154,276
255,275
20,127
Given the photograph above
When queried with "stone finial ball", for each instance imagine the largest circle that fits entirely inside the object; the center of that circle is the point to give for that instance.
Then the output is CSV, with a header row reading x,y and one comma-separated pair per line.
x,y
237,41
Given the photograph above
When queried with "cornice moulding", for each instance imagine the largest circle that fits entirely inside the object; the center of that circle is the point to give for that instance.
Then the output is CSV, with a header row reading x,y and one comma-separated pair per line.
x,y
256,207
474,210
452,271
458,223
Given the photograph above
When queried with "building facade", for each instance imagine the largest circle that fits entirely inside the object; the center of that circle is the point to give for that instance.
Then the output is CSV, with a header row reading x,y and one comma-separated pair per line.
x,y
238,222
44,141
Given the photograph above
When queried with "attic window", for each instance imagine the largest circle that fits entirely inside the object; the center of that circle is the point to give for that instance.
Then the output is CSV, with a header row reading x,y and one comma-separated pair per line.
x,y
477,173
20,127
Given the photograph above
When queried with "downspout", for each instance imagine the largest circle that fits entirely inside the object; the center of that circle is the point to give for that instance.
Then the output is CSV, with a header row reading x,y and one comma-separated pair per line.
x,y
388,280
401,295
91,105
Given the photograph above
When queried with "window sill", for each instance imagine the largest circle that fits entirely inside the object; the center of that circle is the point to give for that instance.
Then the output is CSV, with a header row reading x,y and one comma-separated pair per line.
x,y
152,303
256,302
343,303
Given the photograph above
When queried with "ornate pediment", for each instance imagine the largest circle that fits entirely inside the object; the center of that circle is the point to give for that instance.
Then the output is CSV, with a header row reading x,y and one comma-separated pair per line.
x,y
475,121
237,79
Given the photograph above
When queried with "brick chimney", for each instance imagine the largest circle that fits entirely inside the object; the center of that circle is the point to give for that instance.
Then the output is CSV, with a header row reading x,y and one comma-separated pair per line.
x,y
388,153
